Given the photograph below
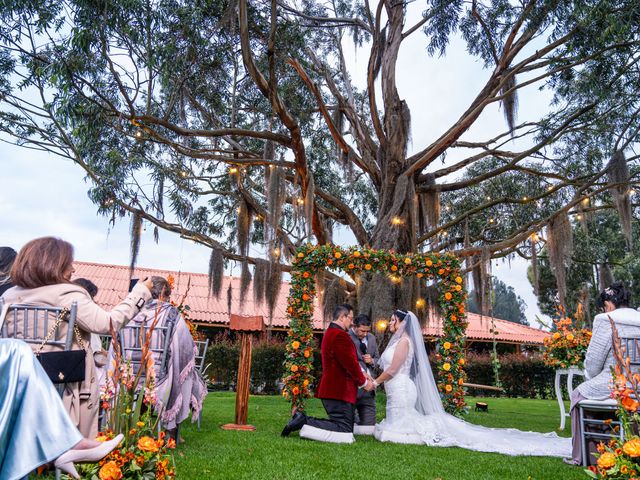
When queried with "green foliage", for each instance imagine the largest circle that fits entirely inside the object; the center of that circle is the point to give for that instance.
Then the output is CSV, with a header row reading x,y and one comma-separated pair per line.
x,y
601,242
505,303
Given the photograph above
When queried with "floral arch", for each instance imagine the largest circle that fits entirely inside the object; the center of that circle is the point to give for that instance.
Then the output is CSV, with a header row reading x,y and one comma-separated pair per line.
x,y
444,268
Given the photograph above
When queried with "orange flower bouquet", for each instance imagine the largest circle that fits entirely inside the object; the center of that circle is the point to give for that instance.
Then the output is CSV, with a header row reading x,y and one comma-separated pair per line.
x,y
620,459
567,346
129,400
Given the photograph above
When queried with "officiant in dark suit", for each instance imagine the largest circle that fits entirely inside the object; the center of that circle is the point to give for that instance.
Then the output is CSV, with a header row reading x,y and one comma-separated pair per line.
x,y
368,357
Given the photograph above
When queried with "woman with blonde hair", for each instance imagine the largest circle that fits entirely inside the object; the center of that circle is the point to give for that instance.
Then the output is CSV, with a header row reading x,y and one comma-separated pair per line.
x,y
42,274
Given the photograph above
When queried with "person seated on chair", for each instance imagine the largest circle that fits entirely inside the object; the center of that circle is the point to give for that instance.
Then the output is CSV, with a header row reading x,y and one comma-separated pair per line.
x,y
42,275
35,427
181,388
7,257
613,302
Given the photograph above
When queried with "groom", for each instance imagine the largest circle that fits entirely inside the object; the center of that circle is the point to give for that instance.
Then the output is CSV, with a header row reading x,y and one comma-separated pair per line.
x,y
368,357
338,388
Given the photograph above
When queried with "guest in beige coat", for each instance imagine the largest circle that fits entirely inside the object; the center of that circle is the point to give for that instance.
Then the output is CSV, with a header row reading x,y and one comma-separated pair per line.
x,y
42,275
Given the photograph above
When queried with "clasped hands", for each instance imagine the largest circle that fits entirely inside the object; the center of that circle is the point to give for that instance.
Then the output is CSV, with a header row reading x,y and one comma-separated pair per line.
x,y
370,384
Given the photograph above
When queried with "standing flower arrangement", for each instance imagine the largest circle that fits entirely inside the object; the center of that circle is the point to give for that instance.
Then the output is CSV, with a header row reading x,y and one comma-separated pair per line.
x,y
567,346
128,399
620,459
309,260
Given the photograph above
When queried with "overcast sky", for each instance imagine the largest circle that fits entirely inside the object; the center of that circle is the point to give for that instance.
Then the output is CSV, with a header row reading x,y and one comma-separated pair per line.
x,y
45,195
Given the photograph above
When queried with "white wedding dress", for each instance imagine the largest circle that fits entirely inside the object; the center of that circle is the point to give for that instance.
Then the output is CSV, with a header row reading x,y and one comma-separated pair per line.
x,y
415,414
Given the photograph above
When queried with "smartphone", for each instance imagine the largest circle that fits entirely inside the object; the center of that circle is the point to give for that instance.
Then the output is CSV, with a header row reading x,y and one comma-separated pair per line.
x,y
132,283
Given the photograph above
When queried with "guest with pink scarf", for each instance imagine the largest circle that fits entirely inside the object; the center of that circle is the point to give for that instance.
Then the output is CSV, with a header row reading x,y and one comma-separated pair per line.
x,y
181,388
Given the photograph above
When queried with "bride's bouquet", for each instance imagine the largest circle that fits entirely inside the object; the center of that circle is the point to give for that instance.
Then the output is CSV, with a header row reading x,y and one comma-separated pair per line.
x,y
567,346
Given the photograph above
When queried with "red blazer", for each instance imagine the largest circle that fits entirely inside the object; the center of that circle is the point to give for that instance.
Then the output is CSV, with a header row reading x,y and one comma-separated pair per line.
x,y
341,374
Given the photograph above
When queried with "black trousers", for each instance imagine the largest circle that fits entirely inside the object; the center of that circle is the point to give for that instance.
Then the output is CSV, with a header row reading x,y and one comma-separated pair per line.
x,y
366,408
341,416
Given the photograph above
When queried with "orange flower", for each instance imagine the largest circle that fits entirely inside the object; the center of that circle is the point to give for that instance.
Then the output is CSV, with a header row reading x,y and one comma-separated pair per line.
x,y
629,404
329,262
171,281
367,266
606,460
337,254
556,336
458,288
441,271
307,353
356,254
407,261
294,368
171,443
632,447
460,381
448,296
295,391
624,469
446,345
306,297
446,367
458,279
429,263
419,275
110,471
295,345
453,318
394,268
147,444
290,310
569,336
448,388
306,274
102,438
300,255
351,266
305,383
461,361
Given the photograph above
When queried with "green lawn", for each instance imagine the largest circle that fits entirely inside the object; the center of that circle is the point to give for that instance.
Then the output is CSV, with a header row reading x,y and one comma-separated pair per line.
x,y
214,453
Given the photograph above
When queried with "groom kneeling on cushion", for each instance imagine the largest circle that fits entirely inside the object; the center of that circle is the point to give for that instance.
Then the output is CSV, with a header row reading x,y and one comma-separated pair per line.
x,y
338,388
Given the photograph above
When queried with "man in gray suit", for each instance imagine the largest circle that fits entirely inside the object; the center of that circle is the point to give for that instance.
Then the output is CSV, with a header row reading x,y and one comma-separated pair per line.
x,y
368,357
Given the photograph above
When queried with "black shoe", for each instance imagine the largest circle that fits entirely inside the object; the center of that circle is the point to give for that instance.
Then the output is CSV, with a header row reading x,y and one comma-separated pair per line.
x,y
296,423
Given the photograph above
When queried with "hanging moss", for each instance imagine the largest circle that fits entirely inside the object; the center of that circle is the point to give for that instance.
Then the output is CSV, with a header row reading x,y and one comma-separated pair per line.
x,y
260,278
618,173
216,272
510,101
560,247
136,232
245,280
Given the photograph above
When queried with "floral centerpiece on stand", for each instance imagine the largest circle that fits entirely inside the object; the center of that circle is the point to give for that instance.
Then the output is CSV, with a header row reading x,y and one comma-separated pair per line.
x,y
567,346
620,459
128,399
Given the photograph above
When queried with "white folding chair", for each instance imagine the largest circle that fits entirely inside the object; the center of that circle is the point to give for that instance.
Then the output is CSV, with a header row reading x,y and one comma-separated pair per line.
x,y
202,347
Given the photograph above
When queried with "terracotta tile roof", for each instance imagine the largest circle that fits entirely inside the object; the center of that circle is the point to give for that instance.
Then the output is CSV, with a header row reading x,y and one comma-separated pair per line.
x,y
113,283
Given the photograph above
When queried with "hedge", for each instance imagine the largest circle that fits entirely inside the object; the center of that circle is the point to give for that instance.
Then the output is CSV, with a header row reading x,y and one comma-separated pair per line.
x,y
521,376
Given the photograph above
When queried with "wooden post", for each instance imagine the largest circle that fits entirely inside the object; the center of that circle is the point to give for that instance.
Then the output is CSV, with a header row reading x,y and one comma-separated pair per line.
x,y
244,325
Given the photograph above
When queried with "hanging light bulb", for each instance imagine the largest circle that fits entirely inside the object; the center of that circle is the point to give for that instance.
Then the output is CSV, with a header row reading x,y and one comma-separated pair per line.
x,y
420,303
381,325
396,221
233,170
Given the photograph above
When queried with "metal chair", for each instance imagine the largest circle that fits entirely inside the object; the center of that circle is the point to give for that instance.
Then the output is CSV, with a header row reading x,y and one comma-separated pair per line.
x,y
132,339
200,358
630,347
31,323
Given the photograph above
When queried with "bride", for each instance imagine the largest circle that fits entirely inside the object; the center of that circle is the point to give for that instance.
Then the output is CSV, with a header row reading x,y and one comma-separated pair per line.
x,y
414,409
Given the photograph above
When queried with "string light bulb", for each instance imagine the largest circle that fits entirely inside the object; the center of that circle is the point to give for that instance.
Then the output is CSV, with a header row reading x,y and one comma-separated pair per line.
x,y
381,325
138,134
300,201
525,199
276,252
395,279
420,303
233,170
534,237
396,221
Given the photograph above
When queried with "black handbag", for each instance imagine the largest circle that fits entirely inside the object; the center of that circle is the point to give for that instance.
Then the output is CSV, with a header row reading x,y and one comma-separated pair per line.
x,y
66,366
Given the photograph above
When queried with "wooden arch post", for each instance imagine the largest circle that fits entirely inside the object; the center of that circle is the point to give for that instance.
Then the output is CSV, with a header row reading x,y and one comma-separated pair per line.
x,y
246,326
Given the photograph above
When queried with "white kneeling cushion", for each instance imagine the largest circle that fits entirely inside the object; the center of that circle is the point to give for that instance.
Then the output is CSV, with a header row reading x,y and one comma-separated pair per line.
x,y
363,429
313,433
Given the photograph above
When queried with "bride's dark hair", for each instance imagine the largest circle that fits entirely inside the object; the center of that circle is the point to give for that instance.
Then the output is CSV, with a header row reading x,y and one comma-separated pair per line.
x,y
400,314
